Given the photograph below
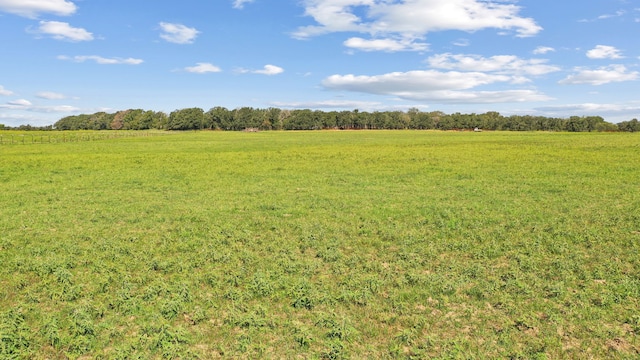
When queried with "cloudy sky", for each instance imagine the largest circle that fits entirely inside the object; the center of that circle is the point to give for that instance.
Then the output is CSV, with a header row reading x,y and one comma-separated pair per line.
x,y
552,58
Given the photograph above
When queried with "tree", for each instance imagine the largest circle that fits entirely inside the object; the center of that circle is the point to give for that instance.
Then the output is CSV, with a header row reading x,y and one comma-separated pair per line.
x,y
299,120
218,118
630,126
271,120
246,118
186,119
160,120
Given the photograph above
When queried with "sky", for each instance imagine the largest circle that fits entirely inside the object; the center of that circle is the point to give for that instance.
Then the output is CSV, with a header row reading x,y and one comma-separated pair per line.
x,y
529,57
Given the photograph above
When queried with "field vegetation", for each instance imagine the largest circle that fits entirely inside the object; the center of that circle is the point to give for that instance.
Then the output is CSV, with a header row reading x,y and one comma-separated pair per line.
x,y
321,245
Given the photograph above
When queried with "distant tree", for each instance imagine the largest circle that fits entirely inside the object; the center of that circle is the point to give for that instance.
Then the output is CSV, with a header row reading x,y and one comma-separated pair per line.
x,y
135,119
306,119
421,120
160,120
576,124
186,119
100,120
117,123
606,126
246,118
379,120
271,119
283,117
218,118
74,122
299,120
629,126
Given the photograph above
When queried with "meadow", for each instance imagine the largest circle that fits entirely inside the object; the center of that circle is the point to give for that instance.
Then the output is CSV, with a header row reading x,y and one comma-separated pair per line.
x,y
321,245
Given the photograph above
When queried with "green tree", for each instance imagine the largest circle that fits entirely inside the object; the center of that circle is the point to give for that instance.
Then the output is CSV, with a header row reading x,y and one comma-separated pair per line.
x,y
186,119
576,124
630,126
218,118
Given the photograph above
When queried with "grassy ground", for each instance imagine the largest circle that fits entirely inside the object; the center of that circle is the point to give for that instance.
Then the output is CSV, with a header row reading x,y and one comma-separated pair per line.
x,y
370,244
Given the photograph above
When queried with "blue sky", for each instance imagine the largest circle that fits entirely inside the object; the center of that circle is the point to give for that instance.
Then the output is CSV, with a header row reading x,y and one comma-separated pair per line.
x,y
538,57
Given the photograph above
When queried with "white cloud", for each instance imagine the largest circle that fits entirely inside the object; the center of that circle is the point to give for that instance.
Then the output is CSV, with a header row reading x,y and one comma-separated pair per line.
x,y
26,105
32,8
49,95
411,19
20,102
604,52
608,16
613,112
543,50
432,85
178,33
388,45
267,70
203,68
239,4
462,42
5,92
600,76
270,70
329,104
63,31
102,60
589,107
503,64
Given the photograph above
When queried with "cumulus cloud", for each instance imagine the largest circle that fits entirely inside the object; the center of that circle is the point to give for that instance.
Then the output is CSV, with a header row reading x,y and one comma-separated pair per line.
x,y
388,45
102,60
33,8
411,19
620,112
63,31
20,102
203,68
329,104
270,70
178,33
26,105
589,107
600,76
505,64
266,70
432,85
604,52
543,50
239,4
5,92
49,95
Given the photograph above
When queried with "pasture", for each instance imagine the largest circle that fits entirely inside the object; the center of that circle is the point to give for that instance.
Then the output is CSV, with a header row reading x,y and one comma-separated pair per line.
x,y
321,245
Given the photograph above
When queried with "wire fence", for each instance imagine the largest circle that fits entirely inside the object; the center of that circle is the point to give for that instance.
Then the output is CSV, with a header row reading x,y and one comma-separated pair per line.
x,y
53,137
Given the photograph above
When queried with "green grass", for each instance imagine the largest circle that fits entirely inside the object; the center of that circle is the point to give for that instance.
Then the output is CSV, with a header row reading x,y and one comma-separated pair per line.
x,y
325,244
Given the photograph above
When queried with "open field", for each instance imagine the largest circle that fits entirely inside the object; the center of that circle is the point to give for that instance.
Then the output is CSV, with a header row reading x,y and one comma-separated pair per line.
x,y
324,244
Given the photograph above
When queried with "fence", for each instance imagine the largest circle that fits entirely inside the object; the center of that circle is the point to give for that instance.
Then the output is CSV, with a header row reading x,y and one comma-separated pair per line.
x,y
65,137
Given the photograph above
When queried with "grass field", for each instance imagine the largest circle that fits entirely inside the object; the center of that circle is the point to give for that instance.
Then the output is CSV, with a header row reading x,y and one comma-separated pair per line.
x,y
324,244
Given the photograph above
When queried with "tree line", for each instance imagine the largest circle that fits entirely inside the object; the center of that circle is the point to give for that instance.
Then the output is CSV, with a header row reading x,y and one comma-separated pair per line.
x,y
248,118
